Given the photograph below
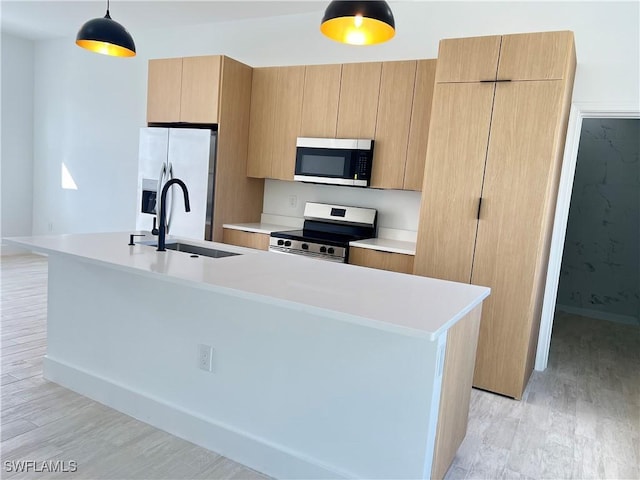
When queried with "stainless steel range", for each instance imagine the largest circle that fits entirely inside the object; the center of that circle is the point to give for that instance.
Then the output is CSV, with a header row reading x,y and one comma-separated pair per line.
x,y
327,231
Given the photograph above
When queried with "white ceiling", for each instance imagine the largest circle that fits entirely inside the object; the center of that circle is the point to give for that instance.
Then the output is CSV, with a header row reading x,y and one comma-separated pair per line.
x,y
43,19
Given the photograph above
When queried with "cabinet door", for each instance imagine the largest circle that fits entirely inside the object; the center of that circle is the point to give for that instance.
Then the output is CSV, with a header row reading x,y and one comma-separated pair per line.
x,y
164,82
519,189
262,122
468,59
320,101
245,239
393,262
200,89
458,135
420,119
358,105
288,110
393,122
536,56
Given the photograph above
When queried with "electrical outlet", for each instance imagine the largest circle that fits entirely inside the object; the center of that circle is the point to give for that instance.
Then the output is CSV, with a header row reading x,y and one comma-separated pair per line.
x,y
205,357
293,201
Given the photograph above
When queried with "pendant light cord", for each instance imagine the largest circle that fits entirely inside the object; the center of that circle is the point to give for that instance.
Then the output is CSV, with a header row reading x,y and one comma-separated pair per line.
x,y
107,15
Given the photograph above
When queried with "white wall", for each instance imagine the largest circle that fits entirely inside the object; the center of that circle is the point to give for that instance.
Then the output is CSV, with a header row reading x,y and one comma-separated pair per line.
x,y
16,195
88,107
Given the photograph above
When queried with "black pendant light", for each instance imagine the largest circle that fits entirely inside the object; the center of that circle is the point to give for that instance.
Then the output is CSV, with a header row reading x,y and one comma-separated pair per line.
x,y
358,23
106,36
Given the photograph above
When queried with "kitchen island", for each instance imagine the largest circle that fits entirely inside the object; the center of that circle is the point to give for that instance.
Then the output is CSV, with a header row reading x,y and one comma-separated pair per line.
x,y
318,370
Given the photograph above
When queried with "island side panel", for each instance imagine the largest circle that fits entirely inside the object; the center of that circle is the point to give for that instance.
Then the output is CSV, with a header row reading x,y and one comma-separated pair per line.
x,y
292,394
457,379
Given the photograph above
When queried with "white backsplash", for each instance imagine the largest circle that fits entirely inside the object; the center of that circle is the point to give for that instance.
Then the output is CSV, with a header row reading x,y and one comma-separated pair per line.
x,y
397,209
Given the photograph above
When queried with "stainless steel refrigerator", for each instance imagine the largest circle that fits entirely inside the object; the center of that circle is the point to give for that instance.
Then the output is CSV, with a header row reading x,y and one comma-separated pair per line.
x,y
185,153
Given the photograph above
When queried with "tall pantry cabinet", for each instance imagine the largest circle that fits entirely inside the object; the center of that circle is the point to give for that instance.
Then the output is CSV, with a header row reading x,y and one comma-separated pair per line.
x,y
499,118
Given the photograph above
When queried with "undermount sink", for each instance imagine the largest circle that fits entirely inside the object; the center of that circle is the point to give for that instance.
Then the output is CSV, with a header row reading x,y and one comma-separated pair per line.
x,y
194,249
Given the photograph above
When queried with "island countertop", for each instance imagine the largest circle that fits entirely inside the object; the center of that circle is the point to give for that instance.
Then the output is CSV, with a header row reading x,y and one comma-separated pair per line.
x,y
405,304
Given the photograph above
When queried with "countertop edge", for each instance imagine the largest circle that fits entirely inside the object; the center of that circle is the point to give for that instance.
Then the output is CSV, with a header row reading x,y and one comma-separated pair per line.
x,y
290,304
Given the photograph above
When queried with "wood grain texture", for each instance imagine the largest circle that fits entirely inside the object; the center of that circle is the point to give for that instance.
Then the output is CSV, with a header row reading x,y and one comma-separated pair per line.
x,y
238,199
246,239
468,59
420,120
288,112
358,105
164,83
200,89
393,122
393,262
535,56
320,100
459,360
552,195
510,243
455,163
262,124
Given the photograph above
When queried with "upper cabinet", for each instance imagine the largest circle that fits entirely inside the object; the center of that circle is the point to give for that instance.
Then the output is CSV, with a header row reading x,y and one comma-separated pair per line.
x,y
320,101
276,109
358,105
402,126
393,124
534,56
468,59
420,124
389,102
523,56
184,90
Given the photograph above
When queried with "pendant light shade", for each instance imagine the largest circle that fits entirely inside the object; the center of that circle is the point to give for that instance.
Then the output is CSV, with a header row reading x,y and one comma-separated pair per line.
x,y
358,23
106,36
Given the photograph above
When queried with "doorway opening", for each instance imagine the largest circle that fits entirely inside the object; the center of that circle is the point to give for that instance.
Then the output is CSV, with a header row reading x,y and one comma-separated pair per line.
x,y
579,114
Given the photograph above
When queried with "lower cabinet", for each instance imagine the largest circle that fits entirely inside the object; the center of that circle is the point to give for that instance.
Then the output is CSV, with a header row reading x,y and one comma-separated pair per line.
x,y
245,239
393,262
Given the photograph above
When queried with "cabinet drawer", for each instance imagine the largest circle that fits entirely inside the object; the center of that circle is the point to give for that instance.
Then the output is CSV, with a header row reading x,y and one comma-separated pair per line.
x,y
393,262
245,239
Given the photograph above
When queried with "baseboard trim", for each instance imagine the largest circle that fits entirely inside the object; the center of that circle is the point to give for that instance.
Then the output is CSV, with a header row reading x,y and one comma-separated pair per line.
x,y
587,312
256,453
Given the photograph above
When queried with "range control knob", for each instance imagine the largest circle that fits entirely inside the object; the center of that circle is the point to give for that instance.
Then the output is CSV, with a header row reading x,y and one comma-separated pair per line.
x,y
305,246
280,242
323,249
287,243
331,250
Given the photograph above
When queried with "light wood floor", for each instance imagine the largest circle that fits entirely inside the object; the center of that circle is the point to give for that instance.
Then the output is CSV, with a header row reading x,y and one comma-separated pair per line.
x,y
579,419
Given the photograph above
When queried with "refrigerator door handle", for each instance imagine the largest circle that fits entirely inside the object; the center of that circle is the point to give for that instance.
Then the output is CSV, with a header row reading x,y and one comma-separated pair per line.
x,y
170,196
163,172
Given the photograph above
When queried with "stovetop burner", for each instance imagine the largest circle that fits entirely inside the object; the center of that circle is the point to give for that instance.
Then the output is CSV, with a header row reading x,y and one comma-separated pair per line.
x,y
327,231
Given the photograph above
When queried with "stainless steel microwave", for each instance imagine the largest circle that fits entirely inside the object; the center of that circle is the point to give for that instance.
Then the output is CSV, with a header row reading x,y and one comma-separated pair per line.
x,y
337,161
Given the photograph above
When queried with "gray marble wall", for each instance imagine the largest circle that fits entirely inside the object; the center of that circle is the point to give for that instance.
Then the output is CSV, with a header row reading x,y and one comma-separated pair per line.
x,y
601,263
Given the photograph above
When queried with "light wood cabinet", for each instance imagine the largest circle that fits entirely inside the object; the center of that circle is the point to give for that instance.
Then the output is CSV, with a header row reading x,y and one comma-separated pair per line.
x,y
320,101
420,123
472,59
358,105
184,90
394,262
276,109
246,239
502,142
200,89
237,197
164,88
393,123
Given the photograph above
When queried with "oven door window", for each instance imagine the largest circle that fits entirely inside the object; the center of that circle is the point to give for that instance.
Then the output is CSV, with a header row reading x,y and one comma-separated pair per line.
x,y
323,162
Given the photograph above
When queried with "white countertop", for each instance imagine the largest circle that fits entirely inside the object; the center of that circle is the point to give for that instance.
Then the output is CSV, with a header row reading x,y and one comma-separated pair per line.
x,y
400,303
265,228
386,245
